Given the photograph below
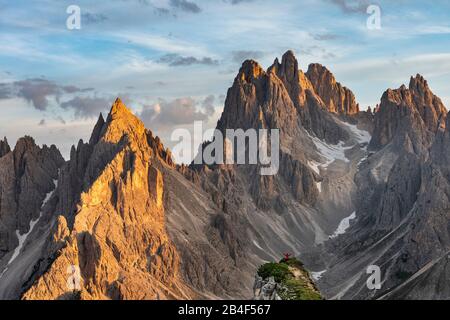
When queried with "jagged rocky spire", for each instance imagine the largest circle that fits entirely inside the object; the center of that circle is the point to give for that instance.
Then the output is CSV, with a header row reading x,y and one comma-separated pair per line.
x,y
337,98
4,147
414,109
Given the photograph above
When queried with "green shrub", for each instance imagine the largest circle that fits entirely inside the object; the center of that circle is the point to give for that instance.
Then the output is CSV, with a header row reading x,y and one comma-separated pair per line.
x,y
279,271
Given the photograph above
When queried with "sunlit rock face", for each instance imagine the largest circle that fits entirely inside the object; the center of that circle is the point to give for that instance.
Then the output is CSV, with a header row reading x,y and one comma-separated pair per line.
x,y
114,228
337,98
414,110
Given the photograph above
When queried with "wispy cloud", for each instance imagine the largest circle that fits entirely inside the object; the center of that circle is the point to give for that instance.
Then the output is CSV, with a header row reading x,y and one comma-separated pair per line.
x,y
185,5
325,36
176,112
351,6
93,18
240,56
37,91
238,1
176,60
87,107
161,43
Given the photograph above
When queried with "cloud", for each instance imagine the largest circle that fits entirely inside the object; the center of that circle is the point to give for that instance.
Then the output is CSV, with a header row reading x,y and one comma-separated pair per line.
x,y
242,55
160,83
41,123
61,120
325,36
161,43
163,11
351,6
316,51
208,105
93,18
5,91
74,89
173,59
185,5
222,98
233,2
86,107
167,114
36,91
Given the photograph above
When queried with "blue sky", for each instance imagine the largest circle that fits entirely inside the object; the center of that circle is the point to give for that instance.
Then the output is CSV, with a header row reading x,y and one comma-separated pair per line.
x,y
172,61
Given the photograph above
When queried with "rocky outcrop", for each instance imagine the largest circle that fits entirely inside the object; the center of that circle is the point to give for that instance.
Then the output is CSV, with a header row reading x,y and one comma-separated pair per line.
x,y
281,98
257,100
413,111
294,80
312,109
260,99
285,280
266,289
4,147
337,99
430,107
27,175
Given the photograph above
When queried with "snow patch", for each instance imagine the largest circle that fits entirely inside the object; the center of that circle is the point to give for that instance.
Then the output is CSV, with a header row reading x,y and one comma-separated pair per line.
x,y
257,245
362,136
314,166
319,186
361,161
331,152
343,225
317,275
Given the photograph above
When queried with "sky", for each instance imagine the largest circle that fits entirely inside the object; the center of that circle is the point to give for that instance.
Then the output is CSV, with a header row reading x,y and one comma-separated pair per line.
x,y
172,61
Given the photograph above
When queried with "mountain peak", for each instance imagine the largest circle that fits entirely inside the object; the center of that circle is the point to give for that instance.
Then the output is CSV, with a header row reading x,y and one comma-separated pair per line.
x,y
418,82
121,121
119,108
404,103
250,70
288,56
318,69
289,65
287,69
